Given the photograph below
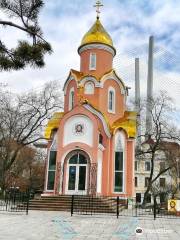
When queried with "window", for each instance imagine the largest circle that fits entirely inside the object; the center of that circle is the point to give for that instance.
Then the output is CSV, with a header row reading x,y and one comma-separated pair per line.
x,y
162,166
92,62
100,139
51,170
138,197
136,181
89,88
78,159
147,166
136,165
118,172
119,162
111,100
71,98
162,182
146,181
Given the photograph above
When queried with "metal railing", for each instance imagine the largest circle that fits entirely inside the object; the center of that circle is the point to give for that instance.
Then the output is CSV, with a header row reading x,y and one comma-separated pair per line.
x,y
12,201
93,205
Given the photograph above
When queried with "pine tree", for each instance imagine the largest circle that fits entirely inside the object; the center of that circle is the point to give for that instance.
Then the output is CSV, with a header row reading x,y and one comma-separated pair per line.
x,y
26,52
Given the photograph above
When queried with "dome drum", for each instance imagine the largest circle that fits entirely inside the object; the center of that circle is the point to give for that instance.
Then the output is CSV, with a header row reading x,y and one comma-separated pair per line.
x,y
97,45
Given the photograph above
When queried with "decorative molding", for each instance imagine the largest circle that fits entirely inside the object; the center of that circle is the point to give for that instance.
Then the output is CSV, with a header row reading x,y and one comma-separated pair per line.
x,y
92,79
89,88
73,125
97,46
70,78
79,128
100,116
93,179
113,77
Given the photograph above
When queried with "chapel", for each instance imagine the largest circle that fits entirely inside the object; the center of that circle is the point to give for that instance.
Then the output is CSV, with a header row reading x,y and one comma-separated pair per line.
x,y
91,143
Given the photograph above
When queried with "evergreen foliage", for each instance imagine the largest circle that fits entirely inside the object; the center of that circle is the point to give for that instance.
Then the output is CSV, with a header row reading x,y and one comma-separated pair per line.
x,y
26,52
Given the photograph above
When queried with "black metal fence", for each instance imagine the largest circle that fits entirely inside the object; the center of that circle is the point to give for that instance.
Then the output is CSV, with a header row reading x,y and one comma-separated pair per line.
x,y
91,205
12,201
152,210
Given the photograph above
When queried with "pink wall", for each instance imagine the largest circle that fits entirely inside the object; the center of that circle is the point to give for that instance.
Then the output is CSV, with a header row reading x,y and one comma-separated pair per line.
x,y
100,101
104,61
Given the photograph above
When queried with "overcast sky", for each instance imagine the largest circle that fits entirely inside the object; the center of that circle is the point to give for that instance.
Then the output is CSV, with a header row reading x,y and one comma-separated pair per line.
x,y
129,22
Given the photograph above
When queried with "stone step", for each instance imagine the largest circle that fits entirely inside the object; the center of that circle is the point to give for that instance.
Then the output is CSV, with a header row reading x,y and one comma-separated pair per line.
x,y
81,203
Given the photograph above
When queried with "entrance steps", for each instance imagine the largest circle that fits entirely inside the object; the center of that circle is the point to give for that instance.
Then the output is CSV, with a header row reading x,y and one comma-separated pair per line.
x,y
51,203
82,203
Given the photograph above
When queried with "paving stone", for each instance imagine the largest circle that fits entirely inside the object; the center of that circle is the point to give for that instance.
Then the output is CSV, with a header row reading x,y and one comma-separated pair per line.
x,y
40,225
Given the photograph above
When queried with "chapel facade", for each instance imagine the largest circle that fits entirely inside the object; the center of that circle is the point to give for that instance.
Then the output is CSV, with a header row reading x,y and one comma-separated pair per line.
x,y
91,144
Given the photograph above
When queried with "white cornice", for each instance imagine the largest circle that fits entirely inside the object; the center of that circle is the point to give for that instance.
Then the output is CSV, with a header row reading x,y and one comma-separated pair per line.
x,y
100,116
97,46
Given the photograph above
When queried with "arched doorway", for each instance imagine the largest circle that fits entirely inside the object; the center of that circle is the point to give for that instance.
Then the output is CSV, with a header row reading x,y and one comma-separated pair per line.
x,y
77,172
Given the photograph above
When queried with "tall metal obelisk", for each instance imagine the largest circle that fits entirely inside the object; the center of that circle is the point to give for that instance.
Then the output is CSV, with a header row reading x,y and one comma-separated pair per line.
x,y
149,88
137,100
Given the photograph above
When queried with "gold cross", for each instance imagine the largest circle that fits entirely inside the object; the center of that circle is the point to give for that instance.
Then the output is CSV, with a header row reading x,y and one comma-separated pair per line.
x,y
97,6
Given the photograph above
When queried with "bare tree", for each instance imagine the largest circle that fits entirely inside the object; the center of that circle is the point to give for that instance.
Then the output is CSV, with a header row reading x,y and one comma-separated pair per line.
x,y
27,171
26,53
160,137
22,121
166,190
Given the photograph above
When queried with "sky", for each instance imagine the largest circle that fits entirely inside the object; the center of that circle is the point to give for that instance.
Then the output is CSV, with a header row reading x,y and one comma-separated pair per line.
x,y
129,22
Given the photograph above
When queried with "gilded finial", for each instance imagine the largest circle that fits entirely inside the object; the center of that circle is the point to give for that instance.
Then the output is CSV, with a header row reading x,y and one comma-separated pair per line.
x,y
97,6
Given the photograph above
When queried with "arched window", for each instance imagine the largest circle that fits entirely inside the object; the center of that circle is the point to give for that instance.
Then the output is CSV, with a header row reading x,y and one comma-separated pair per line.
x,y
71,98
78,159
119,156
52,166
111,100
89,88
92,61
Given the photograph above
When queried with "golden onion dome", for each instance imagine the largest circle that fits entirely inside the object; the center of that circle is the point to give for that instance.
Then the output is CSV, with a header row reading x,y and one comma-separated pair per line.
x,y
97,34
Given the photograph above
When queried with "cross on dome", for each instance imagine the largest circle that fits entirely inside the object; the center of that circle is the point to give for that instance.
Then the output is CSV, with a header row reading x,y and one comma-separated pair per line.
x,y
97,6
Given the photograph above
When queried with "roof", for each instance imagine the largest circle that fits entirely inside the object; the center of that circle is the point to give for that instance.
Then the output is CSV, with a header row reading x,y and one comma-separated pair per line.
x,y
53,123
127,122
97,34
78,76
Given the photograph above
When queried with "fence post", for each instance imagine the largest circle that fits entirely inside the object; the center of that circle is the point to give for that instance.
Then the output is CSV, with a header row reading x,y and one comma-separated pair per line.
x,y
72,205
117,206
27,204
136,208
6,200
155,206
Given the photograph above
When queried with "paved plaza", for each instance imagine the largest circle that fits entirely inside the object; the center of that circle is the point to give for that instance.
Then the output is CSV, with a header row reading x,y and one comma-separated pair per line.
x,y
60,225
